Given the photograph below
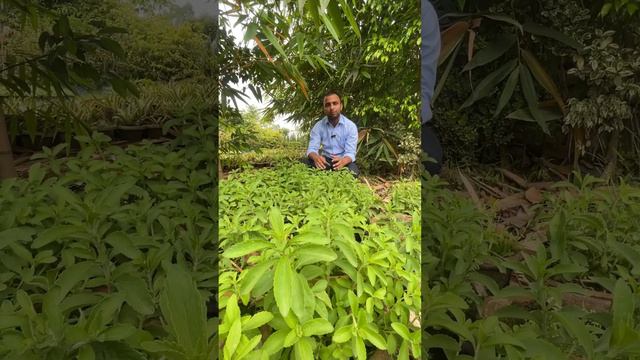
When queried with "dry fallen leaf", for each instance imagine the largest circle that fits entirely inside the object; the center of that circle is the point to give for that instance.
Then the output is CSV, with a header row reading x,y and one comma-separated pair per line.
x,y
533,195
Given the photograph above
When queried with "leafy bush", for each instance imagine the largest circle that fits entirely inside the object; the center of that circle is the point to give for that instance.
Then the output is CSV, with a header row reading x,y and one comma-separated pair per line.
x,y
306,275
582,244
110,254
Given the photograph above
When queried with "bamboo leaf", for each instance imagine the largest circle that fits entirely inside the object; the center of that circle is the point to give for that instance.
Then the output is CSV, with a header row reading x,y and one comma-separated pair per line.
x,y
508,90
492,52
488,84
531,97
543,77
451,38
352,20
544,31
273,40
506,19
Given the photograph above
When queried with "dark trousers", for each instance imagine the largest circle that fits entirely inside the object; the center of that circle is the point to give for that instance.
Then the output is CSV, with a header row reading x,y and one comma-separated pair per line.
x,y
431,146
353,168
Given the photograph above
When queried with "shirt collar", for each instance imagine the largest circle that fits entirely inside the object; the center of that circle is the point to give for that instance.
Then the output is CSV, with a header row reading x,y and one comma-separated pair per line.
x,y
340,120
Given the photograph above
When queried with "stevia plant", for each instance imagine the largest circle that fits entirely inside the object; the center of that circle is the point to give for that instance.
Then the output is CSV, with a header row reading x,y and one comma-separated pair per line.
x,y
305,272
111,253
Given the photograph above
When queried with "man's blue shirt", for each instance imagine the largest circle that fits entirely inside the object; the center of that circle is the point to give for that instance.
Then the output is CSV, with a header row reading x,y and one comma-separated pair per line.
x,y
429,52
341,140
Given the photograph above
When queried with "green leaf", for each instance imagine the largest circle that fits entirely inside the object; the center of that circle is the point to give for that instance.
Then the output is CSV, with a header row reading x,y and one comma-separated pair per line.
x,y
257,320
233,339
330,26
530,95
440,341
74,274
275,341
115,350
22,234
494,50
342,334
244,350
301,7
136,293
376,339
543,77
489,83
525,115
352,20
303,299
252,30
251,276
274,41
112,46
245,248
402,330
184,310
544,31
628,252
117,332
623,313
291,338
558,235
121,243
303,349
360,349
311,254
505,19
347,251
316,327
58,233
282,282
310,237
507,92
577,329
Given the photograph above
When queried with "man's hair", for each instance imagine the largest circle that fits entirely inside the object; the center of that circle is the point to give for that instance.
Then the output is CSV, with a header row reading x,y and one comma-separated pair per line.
x,y
332,92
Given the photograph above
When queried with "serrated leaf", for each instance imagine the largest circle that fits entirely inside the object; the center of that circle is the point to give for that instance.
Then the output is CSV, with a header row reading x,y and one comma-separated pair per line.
x,y
316,327
245,248
257,320
282,280
376,339
343,334
136,293
311,254
402,330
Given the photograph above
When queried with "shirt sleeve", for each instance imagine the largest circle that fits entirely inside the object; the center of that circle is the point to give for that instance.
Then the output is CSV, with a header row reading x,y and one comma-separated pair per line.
x,y
429,52
314,141
352,143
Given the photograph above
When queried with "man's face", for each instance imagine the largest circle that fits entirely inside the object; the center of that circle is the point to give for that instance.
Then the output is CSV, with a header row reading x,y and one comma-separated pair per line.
x,y
332,106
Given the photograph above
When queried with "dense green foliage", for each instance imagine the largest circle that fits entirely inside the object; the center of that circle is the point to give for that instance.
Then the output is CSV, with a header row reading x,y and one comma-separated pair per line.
x,y
111,254
316,266
583,91
365,50
581,247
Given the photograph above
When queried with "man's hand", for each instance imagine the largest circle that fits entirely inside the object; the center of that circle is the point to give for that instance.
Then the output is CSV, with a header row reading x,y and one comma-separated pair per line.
x,y
340,162
319,161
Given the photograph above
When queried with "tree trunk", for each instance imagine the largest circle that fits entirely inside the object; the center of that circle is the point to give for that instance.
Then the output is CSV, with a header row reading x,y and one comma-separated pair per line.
x,y
7,167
